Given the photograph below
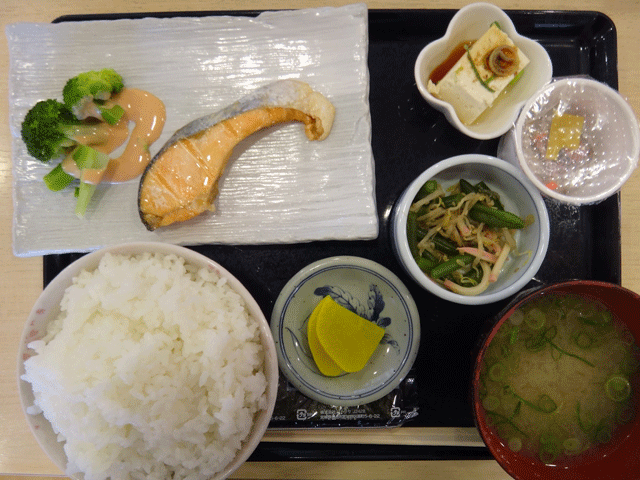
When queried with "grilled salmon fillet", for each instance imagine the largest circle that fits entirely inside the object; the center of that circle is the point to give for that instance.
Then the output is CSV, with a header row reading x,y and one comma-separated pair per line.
x,y
181,181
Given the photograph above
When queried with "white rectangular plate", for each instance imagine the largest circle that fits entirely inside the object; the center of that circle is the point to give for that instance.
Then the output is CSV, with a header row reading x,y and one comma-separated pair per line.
x,y
278,188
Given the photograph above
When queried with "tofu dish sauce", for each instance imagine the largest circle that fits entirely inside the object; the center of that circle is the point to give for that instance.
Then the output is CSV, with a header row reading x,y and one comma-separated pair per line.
x,y
477,72
559,379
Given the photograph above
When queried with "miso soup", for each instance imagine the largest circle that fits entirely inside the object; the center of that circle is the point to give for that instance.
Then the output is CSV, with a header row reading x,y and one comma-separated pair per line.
x,y
557,379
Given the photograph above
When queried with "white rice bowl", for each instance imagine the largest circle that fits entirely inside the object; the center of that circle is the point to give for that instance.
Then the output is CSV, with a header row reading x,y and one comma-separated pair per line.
x,y
155,367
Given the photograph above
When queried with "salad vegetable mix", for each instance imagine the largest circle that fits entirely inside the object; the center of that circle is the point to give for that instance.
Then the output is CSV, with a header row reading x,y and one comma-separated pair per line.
x,y
461,237
52,129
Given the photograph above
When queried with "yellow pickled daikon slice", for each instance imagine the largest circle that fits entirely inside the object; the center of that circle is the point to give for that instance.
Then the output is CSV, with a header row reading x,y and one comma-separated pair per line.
x,y
565,132
323,361
348,339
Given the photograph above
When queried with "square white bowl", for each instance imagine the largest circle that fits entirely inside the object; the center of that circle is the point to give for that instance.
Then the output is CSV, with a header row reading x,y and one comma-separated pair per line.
x,y
469,23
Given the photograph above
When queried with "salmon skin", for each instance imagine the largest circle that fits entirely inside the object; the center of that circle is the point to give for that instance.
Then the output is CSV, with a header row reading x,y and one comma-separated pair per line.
x,y
181,181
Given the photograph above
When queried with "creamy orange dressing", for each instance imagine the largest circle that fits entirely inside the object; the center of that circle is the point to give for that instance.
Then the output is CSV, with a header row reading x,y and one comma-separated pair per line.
x,y
148,113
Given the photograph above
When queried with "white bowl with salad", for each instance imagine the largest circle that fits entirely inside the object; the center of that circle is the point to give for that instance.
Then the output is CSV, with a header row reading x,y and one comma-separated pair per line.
x,y
471,229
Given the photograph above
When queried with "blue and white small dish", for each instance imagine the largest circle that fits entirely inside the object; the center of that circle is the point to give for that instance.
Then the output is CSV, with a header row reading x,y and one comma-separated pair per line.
x,y
366,288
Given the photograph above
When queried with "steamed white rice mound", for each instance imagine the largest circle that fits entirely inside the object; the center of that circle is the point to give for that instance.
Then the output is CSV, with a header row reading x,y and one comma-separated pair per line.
x,y
153,370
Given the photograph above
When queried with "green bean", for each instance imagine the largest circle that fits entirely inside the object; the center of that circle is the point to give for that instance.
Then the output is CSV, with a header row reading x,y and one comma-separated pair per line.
x,y
466,187
426,261
427,189
411,234
445,268
482,187
420,234
475,274
444,245
495,218
422,210
426,264
452,200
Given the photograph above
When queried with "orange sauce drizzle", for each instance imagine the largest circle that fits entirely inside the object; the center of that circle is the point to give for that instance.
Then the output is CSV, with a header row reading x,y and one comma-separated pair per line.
x,y
148,114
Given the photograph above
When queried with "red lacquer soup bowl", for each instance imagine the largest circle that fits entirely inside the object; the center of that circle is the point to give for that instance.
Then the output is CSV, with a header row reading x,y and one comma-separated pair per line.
x,y
619,458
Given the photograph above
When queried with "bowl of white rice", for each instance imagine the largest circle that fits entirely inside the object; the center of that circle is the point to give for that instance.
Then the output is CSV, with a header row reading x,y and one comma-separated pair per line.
x,y
147,360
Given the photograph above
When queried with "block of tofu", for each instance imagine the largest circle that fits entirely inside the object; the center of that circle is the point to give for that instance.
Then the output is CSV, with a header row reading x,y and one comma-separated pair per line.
x,y
461,86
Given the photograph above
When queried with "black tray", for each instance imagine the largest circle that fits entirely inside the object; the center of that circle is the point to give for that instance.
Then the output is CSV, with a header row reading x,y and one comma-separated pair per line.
x,y
407,137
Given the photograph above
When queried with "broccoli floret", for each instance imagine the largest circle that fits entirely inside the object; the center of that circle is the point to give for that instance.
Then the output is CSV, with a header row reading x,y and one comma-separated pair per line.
x,y
50,129
57,179
87,158
86,94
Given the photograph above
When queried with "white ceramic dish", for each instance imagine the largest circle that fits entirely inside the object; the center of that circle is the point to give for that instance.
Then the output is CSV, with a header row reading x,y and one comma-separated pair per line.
x,y
610,133
469,23
278,186
352,282
47,308
517,194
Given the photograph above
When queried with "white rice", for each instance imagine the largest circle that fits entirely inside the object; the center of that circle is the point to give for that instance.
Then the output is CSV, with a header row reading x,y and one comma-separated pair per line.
x,y
153,370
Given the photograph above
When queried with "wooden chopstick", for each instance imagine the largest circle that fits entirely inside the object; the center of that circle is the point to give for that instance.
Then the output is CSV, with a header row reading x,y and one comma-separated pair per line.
x,y
437,436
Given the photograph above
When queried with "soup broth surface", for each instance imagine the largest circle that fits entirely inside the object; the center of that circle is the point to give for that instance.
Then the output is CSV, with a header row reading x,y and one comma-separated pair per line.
x,y
557,379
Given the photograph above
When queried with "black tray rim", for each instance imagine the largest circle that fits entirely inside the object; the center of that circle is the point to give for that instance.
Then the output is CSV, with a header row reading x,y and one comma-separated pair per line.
x,y
274,451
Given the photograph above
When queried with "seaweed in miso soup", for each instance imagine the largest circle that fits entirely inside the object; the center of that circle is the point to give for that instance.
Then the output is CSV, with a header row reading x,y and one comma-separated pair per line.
x,y
557,380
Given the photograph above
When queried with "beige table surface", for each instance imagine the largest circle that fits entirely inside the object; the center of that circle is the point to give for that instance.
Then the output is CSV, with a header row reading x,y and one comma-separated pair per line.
x,y
21,278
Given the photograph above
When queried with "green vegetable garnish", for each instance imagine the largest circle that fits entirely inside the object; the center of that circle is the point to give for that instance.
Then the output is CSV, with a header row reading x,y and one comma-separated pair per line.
x,y
603,431
57,179
52,129
461,232
583,340
517,77
87,158
497,416
494,217
544,404
571,444
549,448
535,319
427,189
484,83
445,268
618,388
550,333
86,93
513,336
496,372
